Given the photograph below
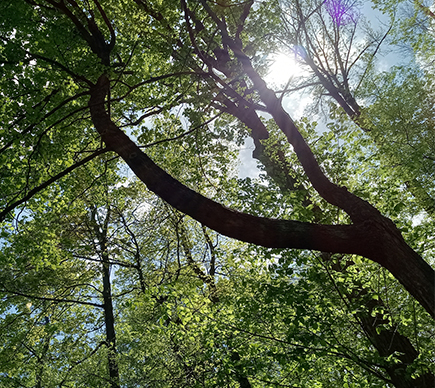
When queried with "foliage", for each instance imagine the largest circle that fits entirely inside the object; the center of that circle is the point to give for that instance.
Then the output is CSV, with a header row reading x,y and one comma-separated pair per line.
x,y
107,283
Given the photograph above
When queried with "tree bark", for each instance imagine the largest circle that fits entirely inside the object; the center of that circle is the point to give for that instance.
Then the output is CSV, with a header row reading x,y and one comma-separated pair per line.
x,y
109,319
372,235
388,340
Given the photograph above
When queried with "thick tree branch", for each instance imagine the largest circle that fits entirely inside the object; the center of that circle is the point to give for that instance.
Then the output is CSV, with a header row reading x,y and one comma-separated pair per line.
x,y
245,227
375,237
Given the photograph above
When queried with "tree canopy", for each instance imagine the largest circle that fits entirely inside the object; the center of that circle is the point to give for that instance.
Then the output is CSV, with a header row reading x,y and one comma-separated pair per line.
x,y
134,254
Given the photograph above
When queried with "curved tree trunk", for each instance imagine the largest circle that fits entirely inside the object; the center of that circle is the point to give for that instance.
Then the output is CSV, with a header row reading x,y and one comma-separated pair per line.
x,y
372,235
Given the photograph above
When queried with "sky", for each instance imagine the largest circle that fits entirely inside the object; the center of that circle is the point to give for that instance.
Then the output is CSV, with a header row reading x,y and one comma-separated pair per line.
x,y
285,66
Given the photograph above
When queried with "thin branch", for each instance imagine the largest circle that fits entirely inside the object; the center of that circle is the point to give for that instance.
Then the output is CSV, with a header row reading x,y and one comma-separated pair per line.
x,y
108,24
372,56
47,183
78,362
57,300
183,134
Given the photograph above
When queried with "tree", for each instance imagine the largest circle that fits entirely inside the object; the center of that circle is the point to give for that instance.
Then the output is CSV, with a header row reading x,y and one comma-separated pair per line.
x,y
72,66
354,238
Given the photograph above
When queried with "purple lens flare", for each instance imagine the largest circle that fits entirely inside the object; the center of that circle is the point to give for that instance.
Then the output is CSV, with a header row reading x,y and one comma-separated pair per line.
x,y
342,12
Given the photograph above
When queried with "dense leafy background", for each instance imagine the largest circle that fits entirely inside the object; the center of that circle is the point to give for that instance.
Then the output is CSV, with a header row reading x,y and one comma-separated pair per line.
x,y
192,308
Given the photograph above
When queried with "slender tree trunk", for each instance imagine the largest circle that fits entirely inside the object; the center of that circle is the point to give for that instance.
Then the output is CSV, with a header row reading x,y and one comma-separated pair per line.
x,y
109,322
239,373
109,319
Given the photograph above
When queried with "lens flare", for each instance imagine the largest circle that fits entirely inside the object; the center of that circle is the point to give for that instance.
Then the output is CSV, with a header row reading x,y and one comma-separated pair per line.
x,y
342,12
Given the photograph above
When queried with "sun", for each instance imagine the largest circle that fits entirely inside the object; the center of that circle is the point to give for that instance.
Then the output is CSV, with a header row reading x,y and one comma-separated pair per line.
x,y
284,67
